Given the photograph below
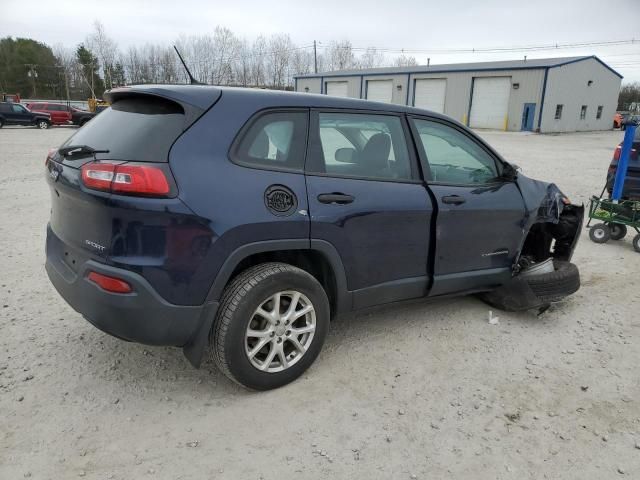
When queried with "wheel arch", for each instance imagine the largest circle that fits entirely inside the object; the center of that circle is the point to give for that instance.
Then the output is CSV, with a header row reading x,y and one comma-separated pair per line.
x,y
318,257
330,274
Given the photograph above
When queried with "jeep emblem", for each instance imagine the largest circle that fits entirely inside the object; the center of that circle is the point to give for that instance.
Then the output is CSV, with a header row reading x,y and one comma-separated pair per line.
x,y
280,200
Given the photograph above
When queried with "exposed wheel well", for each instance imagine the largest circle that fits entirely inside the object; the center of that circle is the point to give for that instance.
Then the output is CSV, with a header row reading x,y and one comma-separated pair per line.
x,y
547,239
311,261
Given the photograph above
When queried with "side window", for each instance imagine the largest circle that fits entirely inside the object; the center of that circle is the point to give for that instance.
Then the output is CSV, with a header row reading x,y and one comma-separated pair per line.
x,y
558,115
599,112
18,108
453,157
273,140
583,112
360,145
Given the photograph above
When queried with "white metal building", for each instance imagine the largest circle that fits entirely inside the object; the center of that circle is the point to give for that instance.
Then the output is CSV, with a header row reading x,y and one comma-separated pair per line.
x,y
547,95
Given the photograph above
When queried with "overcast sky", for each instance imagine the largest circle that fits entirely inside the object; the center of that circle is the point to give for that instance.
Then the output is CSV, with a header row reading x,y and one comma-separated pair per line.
x,y
410,24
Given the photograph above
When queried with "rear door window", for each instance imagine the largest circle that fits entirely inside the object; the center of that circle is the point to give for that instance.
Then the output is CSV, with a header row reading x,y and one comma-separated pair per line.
x,y
274,140
139,128
360,145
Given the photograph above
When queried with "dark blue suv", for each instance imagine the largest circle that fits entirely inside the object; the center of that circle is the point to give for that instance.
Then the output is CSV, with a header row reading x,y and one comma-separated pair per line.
x,y
244,220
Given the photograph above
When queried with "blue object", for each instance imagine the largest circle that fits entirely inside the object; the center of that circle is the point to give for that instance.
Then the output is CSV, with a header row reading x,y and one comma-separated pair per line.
x,y
528,112
623,163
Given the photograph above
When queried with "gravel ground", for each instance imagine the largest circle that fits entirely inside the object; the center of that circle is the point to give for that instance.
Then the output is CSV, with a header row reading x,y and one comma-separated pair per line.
x,y
419,390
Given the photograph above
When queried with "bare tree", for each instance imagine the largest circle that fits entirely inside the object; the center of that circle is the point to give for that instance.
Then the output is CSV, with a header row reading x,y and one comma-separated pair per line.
x,y
257,61
340,55
277,60
105,48
371,58
405,61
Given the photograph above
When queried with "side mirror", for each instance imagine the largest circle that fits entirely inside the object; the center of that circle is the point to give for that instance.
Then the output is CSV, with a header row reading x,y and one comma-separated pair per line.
x,y
345,155
510,171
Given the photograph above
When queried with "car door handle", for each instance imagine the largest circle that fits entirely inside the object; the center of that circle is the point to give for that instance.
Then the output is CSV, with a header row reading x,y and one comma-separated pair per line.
x,y
453,199
339,198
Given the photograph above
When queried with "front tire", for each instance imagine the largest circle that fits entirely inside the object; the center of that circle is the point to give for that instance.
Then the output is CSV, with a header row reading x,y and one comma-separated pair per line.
x,y
43,124
636,243
271,325
556,285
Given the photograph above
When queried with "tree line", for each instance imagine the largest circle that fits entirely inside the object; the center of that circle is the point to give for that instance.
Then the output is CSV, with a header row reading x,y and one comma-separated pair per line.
x,y
34,69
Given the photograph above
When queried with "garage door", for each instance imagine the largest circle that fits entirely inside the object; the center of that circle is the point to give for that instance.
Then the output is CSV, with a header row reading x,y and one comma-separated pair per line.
x,y
490,102
380,90
429,94
337,89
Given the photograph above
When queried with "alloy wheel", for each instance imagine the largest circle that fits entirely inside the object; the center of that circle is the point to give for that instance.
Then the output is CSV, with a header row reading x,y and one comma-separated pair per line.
x,y
280,331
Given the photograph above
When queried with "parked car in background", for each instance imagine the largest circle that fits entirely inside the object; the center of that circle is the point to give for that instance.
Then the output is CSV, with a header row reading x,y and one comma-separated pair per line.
x,y
17,114
631,188
246,219
62,114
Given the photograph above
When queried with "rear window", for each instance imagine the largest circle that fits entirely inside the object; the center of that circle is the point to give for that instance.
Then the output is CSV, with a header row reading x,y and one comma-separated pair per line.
x,y
135,128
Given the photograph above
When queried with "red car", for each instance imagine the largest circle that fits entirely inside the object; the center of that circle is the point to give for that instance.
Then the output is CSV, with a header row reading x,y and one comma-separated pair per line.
x,y
62,114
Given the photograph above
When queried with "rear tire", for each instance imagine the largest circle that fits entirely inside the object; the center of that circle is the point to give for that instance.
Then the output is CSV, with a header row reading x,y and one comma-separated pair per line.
x,y
600,233
636,243
618,231
556,285
248,346
1,123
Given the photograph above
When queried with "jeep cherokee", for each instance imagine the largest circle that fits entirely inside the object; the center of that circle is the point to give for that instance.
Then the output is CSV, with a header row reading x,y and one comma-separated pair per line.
x,y
244,220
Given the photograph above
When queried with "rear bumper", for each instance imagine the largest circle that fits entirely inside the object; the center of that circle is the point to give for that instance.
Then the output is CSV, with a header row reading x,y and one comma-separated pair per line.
x,y
141,316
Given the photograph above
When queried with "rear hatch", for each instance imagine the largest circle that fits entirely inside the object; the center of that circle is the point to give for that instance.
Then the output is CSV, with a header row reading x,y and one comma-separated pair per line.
x,y
111,182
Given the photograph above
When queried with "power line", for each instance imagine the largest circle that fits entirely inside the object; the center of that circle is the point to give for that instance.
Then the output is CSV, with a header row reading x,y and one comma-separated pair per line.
x,y
521,48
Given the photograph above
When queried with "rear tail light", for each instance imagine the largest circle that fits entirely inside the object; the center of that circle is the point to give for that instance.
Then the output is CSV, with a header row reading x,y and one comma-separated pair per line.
x,y
110,284
616,153
126,179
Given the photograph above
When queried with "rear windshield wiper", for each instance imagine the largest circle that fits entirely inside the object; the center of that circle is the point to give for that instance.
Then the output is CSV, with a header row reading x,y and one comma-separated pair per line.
x,y
72,150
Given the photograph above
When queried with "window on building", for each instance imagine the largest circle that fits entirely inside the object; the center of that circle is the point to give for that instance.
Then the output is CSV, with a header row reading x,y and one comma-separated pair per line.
x,y
583,112
275,139
599,112
559,111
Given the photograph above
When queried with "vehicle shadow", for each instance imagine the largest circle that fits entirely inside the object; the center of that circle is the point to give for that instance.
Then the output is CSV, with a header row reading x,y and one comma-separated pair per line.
x,y
165,369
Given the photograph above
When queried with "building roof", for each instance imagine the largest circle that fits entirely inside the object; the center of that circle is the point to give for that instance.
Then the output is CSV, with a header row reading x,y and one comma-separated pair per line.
x,y
533,63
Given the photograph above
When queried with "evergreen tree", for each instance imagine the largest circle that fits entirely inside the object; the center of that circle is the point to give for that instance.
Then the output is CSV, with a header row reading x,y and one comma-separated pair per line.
x,y
90,67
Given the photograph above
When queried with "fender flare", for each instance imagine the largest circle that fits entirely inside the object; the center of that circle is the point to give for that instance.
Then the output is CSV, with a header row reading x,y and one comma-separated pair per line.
x,y
194,348
325,248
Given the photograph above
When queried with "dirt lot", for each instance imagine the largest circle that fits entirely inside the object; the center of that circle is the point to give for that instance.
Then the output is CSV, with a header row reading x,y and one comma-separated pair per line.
x,y
421,390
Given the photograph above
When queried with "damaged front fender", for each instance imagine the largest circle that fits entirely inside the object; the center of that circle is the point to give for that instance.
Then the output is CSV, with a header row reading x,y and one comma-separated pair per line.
x,y
552,227
552,224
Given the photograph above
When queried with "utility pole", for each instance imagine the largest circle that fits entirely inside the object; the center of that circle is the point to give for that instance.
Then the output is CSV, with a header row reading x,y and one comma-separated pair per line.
x,y
315,58
66,84
32,74
93,66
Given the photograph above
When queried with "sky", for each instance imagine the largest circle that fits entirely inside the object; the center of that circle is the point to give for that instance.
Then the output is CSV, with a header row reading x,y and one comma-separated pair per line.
x,y
400,24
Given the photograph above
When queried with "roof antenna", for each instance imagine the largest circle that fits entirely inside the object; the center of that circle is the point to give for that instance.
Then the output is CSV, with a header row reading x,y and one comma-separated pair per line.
x,y
192,80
